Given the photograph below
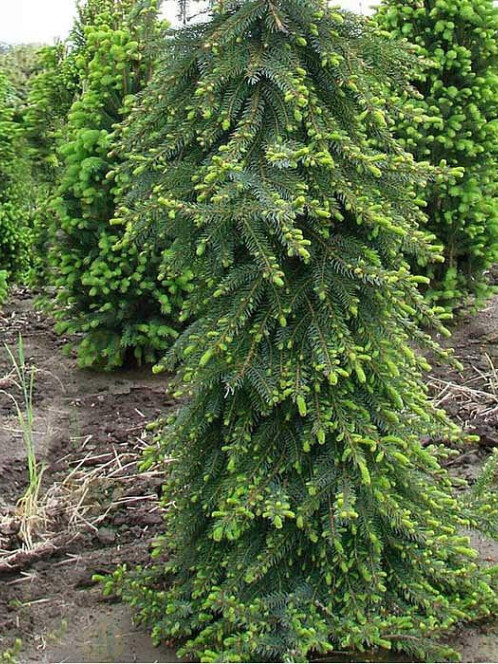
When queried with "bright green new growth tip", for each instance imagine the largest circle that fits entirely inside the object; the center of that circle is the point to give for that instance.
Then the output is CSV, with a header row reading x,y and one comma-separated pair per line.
x,y
303,512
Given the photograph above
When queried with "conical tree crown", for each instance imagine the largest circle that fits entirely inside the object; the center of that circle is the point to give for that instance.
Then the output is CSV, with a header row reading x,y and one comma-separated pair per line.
x,y
303,512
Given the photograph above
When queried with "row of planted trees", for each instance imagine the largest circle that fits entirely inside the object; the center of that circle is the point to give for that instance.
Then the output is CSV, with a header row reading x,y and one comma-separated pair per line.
x,y
269,202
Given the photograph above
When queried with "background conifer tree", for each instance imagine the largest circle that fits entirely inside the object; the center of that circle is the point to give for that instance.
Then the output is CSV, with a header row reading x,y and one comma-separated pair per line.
x,y
51,90
114,298
303,513
14,230
19,62
459,96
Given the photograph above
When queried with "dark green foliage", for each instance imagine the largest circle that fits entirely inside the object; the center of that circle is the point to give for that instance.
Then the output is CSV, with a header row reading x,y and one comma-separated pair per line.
x,y
14,234
113,296
303,513
459,97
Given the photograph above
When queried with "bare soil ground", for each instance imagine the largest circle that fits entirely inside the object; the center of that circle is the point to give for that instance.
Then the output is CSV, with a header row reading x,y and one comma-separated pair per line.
x,y
90,432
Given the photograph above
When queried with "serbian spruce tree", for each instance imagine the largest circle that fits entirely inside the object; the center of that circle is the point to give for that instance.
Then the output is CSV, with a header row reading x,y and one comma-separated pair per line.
x,y
303,513
112,297
459,95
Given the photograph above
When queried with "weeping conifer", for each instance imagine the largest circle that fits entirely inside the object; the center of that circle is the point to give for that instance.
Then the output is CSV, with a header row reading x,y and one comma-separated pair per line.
x,y
458,88
303,513
113,298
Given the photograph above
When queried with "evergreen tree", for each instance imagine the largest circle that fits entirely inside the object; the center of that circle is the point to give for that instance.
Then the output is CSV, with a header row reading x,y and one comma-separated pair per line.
x,y
14,233
459,97
303,513
19,62
51,90
114,298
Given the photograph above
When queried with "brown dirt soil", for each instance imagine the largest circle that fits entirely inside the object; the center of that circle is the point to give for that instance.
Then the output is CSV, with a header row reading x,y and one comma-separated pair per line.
x,y
90,433
470,397
91,425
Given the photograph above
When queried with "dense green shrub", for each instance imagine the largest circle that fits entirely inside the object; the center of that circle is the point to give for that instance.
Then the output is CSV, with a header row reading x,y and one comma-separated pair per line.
x,y
459,96
303,513
114,297
14,233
